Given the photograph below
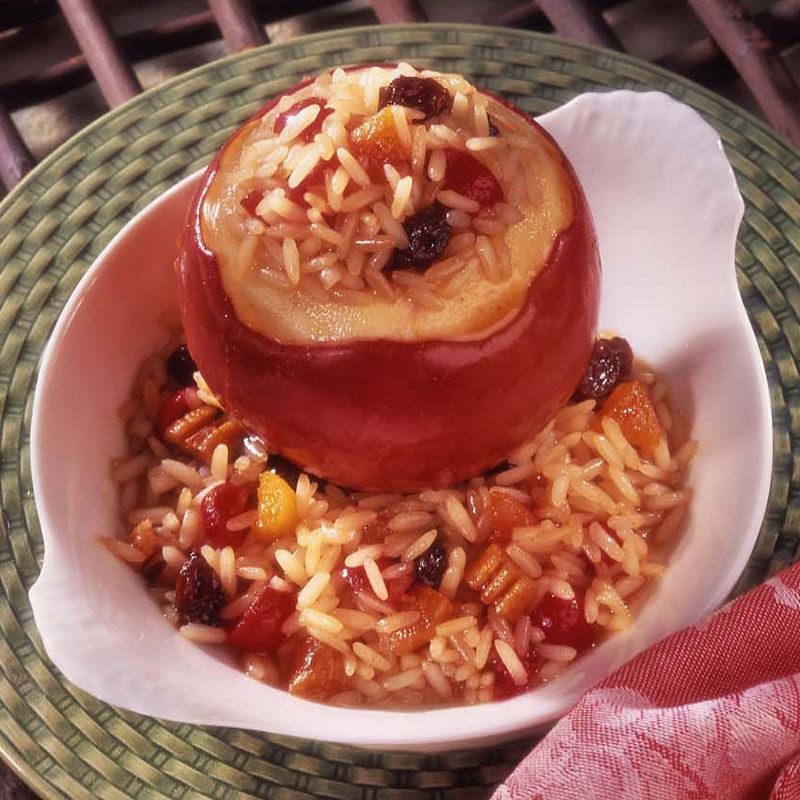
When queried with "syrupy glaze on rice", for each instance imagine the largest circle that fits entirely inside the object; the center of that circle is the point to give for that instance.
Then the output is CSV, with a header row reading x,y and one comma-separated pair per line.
x,y
305,228
462,595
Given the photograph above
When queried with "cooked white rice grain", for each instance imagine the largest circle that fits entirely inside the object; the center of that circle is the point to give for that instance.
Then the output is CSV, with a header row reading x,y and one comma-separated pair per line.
x,y
131,468
355,620
297,123
183,473
291,567
358,557
524,560
202,634
371,657
311,592
437,680
124,551
375,579
511,662
410,521
455,626
323,622
395,622
402,194
451,199
420,545
153,513
451,580
353,168
402,680
522,635
668,500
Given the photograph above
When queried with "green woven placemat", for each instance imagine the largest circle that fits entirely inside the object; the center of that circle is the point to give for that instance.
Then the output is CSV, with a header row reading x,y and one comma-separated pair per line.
x,y
68,745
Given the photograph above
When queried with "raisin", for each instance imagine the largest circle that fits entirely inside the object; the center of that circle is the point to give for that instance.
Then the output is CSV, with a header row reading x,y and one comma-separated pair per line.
x,y
430,566
181,367
198,592
428,234
423,94
493,129
608,365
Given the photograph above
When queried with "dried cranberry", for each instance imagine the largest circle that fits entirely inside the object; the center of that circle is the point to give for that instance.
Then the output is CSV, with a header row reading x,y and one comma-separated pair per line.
x,y
563,622
428,234
423,94
251,200
608,366
198,592
430,566
218,506
466,175
314,128
181,366
173,407
259,629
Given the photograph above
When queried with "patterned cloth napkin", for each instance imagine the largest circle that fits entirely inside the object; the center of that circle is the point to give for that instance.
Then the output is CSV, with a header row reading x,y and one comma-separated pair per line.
x,y
712,711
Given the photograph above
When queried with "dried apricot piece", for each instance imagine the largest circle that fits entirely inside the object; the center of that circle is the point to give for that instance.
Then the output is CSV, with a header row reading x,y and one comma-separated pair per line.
x,y
630,407
276,515
376,141
434,608
506,513
317,670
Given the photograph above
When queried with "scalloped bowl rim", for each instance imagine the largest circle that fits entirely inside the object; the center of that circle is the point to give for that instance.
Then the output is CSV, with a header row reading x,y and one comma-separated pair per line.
x,y
435,728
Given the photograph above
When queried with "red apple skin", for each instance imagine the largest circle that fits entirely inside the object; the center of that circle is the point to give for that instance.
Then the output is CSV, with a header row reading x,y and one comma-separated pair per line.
x,y
386,415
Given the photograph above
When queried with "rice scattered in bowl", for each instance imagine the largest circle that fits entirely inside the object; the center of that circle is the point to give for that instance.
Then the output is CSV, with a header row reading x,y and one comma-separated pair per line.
x,y
461,595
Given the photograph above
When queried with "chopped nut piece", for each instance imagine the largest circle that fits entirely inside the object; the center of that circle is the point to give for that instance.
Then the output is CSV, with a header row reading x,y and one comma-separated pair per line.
x,y
179,431
500,582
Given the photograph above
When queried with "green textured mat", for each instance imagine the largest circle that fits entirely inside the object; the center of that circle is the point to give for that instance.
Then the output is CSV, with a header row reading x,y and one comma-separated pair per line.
x,y
68,745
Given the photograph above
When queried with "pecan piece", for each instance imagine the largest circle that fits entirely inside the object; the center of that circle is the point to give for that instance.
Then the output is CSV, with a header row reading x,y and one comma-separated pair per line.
x,y
199,431
179,431
202,444
500,583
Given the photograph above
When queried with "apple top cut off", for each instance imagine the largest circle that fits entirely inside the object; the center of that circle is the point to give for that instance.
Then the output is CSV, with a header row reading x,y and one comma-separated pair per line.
x,y
384,203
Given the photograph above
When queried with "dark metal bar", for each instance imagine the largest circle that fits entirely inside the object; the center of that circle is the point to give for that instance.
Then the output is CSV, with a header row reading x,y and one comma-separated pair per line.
x,y
175,35
580,20
757,60
15,158
390,11
14,13
114,75
238,24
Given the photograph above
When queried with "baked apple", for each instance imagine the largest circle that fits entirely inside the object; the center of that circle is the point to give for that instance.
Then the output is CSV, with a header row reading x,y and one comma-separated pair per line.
x,y
391,277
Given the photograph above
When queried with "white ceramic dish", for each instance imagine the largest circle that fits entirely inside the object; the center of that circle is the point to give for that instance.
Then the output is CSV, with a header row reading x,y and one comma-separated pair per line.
x,y
667,211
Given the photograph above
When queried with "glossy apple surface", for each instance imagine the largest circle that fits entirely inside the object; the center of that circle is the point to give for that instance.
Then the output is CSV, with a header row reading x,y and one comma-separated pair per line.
x,y
385,415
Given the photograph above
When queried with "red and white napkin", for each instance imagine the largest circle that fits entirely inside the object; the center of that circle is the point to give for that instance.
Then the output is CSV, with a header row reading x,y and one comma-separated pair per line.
x,y
712,711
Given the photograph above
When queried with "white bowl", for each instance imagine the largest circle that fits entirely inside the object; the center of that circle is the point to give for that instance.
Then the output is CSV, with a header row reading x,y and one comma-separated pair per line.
x,y
667,210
